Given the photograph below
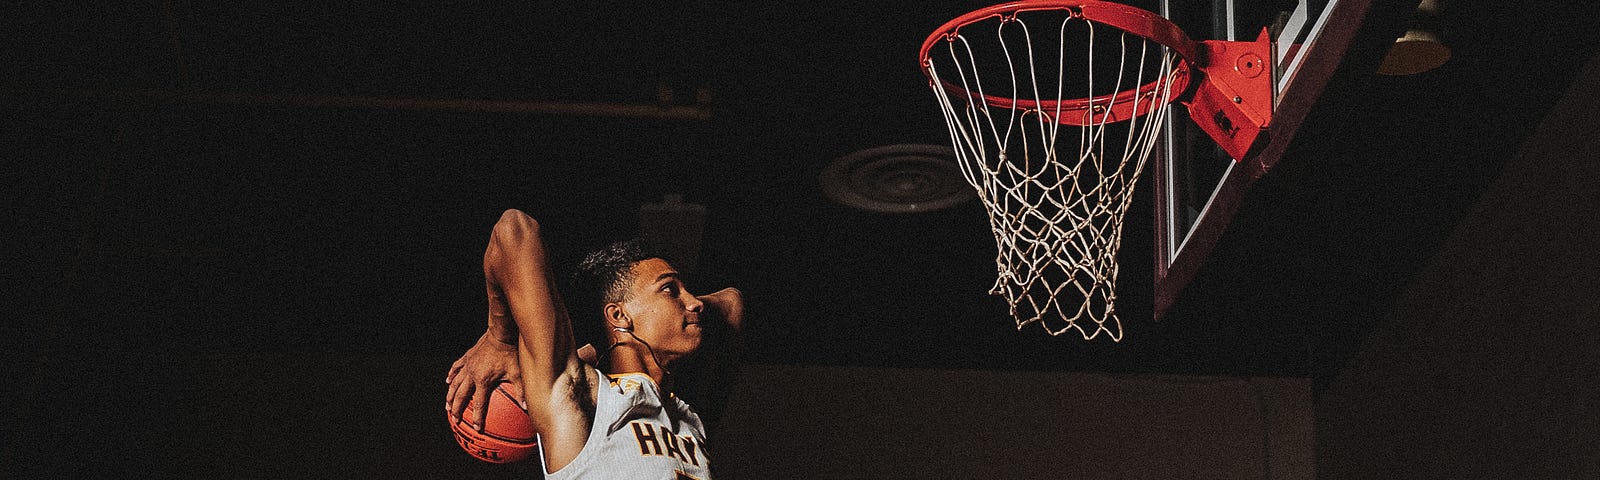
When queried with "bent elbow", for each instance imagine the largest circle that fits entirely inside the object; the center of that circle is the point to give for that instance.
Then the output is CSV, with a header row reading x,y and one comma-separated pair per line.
x,y
733,306
515,226
514,232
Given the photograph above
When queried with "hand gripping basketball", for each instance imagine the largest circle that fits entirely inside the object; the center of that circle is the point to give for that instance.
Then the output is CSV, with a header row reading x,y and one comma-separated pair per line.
x,y
507,434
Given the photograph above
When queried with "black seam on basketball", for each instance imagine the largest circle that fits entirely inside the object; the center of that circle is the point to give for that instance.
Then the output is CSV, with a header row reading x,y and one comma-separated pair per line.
x,y
508,397
531,441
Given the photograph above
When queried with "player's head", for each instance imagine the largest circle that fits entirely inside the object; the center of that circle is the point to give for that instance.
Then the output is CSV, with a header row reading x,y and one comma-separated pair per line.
x,y
635,292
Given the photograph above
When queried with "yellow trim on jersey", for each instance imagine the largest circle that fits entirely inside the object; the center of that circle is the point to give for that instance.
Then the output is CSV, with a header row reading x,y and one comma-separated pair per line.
x,y
632,381
615,378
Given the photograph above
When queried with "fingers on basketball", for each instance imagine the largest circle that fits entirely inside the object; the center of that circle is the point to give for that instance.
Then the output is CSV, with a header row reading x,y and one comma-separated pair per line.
x,y
505,434
480,405
454,394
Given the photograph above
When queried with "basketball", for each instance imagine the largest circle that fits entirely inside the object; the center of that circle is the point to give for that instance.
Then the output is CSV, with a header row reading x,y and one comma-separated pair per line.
x,y
507,435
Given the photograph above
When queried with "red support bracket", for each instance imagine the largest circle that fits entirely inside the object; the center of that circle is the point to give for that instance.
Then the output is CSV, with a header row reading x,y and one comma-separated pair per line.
x,y
1233,100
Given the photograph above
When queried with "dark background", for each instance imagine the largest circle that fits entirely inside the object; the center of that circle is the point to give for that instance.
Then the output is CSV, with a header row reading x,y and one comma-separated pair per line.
x,y
173,261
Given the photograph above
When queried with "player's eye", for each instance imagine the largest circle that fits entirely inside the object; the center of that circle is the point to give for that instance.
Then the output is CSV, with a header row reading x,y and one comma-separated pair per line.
x,y
670,289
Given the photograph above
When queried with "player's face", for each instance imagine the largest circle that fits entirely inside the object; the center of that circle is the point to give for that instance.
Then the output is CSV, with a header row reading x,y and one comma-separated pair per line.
x,y
664,313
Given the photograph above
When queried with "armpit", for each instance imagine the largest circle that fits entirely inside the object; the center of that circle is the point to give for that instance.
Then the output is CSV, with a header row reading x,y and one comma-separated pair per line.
x,y
581,386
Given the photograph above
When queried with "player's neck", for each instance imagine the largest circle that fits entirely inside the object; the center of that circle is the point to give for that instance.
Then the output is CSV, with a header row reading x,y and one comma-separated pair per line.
x,y
631,356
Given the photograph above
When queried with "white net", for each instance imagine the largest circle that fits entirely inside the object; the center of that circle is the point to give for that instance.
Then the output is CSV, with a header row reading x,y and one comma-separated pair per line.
x,y
1056,194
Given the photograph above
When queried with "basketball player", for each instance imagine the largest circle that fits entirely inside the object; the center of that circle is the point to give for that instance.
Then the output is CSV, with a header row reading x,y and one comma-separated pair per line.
x,y
605,412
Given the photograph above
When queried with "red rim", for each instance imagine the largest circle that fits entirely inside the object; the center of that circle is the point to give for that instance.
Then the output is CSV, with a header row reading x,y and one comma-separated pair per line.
x,y
1128,19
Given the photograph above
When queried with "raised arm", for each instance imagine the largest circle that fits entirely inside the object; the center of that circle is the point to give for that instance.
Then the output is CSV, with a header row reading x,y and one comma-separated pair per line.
x,y
522,292
711,374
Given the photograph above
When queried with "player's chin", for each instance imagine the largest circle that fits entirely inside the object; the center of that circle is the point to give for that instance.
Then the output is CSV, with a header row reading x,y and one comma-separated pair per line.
x,y
693,335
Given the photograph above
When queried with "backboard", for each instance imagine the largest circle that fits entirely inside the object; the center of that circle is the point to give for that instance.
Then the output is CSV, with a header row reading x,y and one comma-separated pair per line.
x,y
1197,186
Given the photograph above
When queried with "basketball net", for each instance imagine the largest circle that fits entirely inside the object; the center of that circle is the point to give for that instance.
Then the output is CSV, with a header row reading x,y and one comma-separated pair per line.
x,y
1056,177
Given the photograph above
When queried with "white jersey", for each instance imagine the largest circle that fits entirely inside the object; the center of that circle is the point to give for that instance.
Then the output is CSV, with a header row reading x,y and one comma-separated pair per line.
x,y
638,433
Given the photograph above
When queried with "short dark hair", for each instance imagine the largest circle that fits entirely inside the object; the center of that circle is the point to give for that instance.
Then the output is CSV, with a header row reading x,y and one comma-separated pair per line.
x,y
603,277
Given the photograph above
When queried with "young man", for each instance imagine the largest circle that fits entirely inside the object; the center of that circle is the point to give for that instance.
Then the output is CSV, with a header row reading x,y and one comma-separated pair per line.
x,y
602,412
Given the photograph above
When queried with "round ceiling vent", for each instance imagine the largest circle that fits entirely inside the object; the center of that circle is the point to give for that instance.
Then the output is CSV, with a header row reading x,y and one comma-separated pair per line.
x,y
897,179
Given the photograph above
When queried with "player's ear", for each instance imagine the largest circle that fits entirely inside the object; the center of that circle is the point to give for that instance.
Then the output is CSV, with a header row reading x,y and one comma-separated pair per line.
x,y
616,318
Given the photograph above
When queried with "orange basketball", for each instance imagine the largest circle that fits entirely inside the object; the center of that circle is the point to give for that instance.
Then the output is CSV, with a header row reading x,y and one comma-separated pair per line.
x,y
507,435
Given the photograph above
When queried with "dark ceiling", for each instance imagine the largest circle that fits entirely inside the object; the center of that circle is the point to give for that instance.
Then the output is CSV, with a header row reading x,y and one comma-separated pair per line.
x,y
280,225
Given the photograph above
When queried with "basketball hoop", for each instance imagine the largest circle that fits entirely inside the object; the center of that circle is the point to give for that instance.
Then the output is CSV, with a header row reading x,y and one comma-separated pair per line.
x,y
1019,82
